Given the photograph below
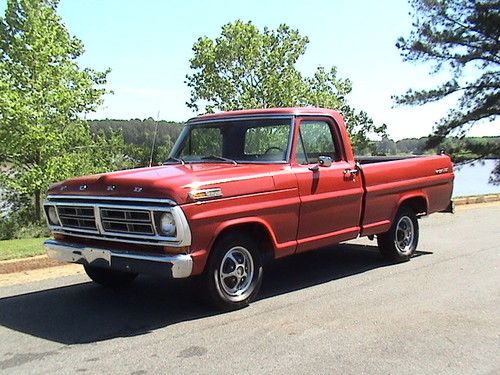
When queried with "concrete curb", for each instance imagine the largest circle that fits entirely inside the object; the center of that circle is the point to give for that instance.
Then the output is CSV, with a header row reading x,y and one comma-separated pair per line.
x,y
42,261
27,264
487,198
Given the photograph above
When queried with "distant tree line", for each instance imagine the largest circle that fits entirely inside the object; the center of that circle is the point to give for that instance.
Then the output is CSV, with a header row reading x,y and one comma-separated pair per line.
x,y
461,149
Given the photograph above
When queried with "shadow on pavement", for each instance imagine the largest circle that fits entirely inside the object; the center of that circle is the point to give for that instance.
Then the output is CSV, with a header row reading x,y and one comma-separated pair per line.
x,y
85,313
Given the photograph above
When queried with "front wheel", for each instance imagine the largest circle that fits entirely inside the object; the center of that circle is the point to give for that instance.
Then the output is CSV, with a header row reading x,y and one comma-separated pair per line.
x,y
399,243
108,277
234,272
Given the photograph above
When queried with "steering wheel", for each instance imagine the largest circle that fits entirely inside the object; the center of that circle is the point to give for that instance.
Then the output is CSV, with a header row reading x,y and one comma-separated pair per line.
x,y
273,148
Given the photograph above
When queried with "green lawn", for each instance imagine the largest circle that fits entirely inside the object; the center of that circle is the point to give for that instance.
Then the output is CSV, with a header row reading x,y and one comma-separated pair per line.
x,y
13,249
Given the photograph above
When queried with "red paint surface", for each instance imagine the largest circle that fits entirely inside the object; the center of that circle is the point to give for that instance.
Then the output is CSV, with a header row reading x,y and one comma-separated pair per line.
x,y
300,209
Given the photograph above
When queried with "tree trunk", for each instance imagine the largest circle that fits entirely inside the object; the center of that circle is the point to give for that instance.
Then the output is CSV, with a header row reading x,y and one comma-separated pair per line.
x,y
38,204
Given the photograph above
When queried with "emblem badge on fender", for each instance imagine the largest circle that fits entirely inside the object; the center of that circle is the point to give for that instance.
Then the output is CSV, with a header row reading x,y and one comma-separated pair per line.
x,y
441,170
137,189
83,187
111,188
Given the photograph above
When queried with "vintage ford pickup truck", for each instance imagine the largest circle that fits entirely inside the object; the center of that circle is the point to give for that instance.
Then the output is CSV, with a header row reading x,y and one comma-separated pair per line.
x,y
238,190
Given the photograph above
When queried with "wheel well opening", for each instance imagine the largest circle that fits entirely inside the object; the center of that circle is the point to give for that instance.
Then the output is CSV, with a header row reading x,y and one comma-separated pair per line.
x,y
258,233
417,204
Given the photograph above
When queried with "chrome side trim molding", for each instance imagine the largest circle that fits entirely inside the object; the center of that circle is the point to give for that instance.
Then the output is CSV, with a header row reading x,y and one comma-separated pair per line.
x,y
181,264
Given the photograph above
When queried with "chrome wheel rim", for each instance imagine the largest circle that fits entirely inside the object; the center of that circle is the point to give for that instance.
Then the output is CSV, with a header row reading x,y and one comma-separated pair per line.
x,y
405,235
236,272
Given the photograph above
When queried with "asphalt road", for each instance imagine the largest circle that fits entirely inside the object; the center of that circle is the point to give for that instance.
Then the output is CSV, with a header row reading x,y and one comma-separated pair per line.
x,y
335,311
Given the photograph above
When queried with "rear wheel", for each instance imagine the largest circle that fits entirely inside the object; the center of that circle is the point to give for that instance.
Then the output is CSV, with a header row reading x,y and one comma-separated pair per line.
x,y
234,272
108,277
399,243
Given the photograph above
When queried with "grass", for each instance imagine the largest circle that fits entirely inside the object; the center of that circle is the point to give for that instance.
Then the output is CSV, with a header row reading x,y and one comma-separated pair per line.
x,y
23,248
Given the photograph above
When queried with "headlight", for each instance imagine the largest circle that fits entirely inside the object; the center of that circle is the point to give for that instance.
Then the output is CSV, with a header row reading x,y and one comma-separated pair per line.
x,y
52,215
167,224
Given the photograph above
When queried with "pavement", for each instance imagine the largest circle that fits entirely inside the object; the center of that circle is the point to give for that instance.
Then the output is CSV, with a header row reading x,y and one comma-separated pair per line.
x,y
338,310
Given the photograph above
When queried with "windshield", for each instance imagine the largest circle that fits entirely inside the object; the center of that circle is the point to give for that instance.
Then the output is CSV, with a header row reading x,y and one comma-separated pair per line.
x,y
235,141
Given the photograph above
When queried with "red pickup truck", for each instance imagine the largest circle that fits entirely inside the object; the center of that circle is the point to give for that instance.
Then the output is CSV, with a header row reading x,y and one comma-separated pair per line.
x,y
238,190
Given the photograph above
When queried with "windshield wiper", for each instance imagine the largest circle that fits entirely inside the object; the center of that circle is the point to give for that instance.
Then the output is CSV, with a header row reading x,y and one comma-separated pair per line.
x,y
176,160
221,158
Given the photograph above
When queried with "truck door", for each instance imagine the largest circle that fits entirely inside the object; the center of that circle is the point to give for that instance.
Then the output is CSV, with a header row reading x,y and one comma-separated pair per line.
x,y
331,193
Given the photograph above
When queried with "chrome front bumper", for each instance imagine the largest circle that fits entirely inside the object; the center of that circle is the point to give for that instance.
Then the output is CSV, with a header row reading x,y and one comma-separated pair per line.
x,y
176,266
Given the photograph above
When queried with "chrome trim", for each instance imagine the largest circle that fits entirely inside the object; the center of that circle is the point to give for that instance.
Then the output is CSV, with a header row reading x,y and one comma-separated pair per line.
x,y
198,184
182,264
148,225
107,218
155,229
98,219
89,231
181,238
198,120
55,204
110,206
45,207
98,197
78,216
117,238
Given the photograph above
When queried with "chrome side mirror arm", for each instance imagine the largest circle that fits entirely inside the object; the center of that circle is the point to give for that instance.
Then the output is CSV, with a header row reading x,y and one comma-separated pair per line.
x,y
323,161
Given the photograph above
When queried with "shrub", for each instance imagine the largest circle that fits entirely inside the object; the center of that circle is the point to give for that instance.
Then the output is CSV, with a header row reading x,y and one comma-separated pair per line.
x,y
32,230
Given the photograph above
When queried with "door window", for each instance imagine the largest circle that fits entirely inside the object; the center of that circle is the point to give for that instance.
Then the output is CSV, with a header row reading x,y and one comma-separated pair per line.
x,y
316,139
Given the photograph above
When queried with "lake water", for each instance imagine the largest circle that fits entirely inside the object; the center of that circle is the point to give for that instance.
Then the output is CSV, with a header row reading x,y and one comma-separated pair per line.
x,y
473,180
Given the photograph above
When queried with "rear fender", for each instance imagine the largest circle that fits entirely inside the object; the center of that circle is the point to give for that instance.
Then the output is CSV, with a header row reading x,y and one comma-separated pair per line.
x,y
412,199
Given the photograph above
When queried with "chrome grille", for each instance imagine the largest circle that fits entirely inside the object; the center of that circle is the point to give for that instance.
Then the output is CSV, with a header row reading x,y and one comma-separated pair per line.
x,y
126,221
77,217
119,219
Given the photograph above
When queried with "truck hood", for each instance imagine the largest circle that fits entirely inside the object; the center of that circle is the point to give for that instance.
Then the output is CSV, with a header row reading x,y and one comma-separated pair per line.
x,y
173,181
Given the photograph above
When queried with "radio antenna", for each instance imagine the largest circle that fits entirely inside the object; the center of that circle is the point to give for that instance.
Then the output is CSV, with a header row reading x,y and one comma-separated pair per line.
x,y
154,139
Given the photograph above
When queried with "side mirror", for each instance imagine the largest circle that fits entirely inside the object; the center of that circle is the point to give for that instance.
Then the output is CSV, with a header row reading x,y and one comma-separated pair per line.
x,y
324,161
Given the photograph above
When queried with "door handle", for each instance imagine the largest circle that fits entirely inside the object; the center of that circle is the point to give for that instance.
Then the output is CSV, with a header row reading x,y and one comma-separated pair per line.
x,y
351,171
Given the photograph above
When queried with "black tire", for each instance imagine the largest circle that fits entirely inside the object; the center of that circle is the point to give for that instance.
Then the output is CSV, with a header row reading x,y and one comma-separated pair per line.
x,y
399,243
239,257
108,277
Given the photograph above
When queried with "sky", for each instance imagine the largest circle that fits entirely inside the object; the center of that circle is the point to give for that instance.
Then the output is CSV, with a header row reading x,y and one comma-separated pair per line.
x,y
147,45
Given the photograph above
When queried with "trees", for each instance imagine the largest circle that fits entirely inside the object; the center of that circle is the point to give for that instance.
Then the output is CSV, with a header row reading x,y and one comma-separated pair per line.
x,y
42,93
138,136
462,36
248,68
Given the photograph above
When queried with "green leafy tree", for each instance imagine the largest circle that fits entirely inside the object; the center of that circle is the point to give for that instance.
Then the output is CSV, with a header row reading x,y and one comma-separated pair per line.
x,y
138,136
461,37
248,68
43,92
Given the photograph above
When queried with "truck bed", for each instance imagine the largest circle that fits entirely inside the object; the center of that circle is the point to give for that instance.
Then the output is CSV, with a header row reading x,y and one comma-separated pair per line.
x,y
425,180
